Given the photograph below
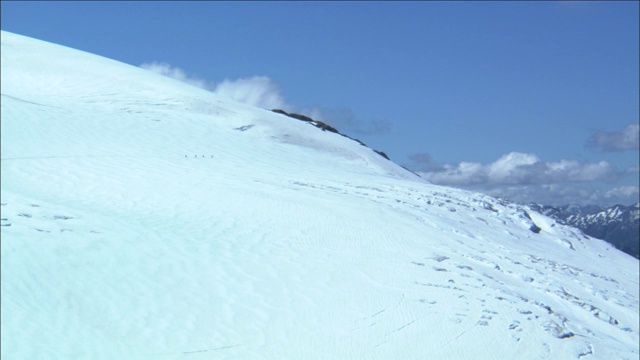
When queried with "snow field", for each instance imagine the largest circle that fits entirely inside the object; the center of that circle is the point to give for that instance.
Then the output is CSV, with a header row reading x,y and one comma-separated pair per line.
x,y
143,218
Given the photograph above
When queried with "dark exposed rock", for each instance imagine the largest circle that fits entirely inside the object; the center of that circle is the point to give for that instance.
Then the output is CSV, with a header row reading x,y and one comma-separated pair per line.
x,y
354,139
382,154
244,128
293,115
301,117
535,228
324,127
411,171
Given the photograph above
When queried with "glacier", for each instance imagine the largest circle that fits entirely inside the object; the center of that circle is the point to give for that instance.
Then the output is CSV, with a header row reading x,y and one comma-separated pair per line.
x,y
144,218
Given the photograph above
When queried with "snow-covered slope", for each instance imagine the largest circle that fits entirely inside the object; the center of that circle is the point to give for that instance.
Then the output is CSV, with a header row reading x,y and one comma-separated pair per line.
x,y
146,219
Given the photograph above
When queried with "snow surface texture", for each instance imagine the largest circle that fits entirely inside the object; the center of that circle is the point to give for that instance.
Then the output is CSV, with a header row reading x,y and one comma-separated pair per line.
x,y
143,218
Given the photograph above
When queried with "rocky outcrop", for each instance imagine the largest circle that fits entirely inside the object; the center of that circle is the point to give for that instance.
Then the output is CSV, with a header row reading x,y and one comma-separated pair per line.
x,y
324,127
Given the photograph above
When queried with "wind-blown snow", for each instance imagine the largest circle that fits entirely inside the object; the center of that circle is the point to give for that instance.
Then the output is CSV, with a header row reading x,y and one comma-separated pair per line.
x,y
143,218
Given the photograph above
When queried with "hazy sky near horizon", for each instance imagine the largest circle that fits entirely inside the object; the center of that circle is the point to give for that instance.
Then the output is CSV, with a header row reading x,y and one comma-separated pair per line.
x,y
530,101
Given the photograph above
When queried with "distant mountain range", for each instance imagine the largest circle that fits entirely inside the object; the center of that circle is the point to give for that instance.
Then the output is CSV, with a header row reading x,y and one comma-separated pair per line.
x,y
617,224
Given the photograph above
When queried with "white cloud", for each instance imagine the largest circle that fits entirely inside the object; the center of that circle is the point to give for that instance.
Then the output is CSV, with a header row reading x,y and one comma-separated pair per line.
x,y
563,194
263,92
632,170
553,194
526,178
345,119
177,73
520,169
626,139
622,191
465,173
258,91
512,168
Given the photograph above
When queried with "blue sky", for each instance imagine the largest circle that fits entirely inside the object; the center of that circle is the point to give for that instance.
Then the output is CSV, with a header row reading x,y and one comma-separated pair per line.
x,y
530,101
